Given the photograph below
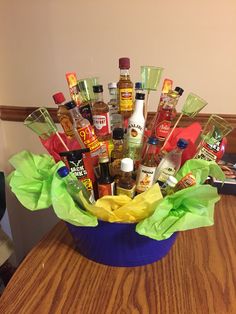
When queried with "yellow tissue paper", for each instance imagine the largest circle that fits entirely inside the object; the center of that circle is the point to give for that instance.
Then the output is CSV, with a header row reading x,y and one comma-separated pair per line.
x,y
121,208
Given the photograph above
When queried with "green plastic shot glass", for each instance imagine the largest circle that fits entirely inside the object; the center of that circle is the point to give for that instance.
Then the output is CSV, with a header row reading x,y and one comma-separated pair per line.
x,y
41,123
150,78
86,88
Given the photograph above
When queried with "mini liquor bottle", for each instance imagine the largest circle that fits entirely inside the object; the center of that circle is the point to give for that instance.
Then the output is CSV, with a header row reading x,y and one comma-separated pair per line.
x,y
126,184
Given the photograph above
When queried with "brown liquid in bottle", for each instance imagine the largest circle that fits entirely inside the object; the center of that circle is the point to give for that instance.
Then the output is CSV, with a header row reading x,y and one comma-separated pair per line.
x,y
125,89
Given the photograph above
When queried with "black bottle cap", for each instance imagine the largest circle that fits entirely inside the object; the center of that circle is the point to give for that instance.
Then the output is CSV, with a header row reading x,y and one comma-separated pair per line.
x,y
179,90
98,89
118,134
70,104
138,85
140,96
153,140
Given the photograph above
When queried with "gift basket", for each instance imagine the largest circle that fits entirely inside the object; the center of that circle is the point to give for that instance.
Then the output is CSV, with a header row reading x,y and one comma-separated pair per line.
x,y
124,185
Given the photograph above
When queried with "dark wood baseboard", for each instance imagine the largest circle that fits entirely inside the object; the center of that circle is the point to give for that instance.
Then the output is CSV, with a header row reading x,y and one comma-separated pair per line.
x,y
18,114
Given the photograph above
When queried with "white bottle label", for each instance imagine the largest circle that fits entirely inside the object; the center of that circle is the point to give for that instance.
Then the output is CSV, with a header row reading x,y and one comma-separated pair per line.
x,y
165,173
145,178
135,132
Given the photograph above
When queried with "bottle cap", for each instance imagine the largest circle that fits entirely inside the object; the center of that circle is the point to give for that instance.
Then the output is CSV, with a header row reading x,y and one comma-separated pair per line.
x,y
70,104
112,85
63,172
118,134
124,63
179,90
127,164
140,96
103,159
98,89
182,143
171,181
138,85
58,98
153,140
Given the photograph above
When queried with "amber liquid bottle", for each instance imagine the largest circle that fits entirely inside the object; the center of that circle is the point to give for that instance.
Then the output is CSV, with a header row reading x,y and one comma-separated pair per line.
x,y
125,90
126,184
101,117
63,115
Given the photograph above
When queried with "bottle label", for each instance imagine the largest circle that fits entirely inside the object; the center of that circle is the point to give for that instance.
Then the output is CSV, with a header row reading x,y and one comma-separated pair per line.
x,y
101,124
165,173
163,128
115,167
66,125
135,132
206,154
89,139
145,178
106,148
105,189
186,182
86,112
130,193
78,168
126,99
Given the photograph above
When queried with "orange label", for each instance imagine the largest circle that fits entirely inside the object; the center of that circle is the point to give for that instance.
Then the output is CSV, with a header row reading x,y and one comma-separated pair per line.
x,y
105,189
89,138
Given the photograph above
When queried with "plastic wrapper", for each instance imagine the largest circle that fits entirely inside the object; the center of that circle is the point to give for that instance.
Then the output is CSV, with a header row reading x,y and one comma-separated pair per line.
x,y
32,179
54,146
186,209
36,185
122,209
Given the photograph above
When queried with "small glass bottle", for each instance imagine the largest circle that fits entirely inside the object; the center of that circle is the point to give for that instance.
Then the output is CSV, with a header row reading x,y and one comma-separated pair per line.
x,y
118,152
83,130
126,184
138,87
136,127
63,114
105,181
74,187
168,187
147,167
101,118
170,163
125,89
115,117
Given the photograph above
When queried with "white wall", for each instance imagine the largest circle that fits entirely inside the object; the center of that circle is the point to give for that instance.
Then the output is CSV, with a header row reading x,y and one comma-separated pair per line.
x,y
194,40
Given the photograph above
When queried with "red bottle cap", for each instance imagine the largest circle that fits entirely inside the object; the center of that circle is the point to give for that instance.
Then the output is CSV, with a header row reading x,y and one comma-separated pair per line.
x,y
58,98
124,63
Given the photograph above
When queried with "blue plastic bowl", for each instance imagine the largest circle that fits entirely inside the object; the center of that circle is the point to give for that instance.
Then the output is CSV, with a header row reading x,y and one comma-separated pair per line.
x,y
117,244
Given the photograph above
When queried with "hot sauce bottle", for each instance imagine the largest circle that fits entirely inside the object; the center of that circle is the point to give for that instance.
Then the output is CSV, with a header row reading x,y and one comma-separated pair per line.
x,y
105,181
125,90
126,184
101,118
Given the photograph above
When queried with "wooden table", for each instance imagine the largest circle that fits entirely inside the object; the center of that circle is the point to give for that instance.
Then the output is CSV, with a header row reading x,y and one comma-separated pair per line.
x,y
197,276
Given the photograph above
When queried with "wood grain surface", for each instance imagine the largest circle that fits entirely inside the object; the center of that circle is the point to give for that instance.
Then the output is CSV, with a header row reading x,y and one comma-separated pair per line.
x,y
197,276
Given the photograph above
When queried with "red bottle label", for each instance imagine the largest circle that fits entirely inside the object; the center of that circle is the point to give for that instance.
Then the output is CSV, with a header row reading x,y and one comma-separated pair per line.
x,y
101,124
163,128
105,189
89,138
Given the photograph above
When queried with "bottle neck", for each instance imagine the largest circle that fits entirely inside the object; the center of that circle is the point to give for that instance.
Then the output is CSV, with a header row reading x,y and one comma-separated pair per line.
x,y
126,175
75,114
151,150
138,107
124,74
113,93
104,171
98,97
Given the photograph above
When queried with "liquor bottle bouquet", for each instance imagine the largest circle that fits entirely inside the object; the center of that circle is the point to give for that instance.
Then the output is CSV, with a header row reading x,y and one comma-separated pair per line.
x,y
113,165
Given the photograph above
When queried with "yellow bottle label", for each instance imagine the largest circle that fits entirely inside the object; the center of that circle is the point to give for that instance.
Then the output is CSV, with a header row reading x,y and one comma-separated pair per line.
x,y
129,193
126,99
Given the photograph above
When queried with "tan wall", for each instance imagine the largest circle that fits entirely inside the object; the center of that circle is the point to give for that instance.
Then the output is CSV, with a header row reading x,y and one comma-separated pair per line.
x,y
41,40
193,40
